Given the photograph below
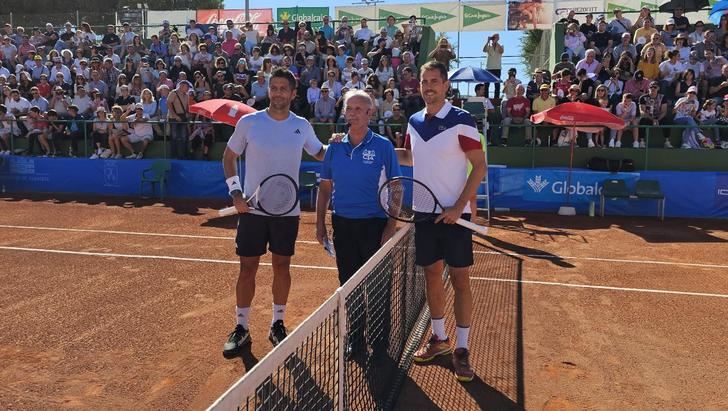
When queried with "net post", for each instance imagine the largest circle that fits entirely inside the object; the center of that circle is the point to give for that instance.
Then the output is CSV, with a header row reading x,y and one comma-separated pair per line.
x,y
341,301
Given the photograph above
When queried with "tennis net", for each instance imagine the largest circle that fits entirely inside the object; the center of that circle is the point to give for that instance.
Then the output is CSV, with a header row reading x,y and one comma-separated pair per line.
x,y
353,352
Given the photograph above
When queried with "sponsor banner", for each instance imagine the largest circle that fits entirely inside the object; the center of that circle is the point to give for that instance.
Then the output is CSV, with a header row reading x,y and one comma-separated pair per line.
x,y
531,14
561,9
219,16
688,194
313,14
450,16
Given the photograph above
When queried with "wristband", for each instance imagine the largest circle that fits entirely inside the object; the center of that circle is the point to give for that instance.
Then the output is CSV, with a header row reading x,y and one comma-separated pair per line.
x,y
233,184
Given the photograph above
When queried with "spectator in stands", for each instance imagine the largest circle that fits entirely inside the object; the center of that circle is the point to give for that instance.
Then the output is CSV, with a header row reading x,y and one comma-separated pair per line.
x,y
157,49
564,63
669,33
408,61
708,43
384,70
177,114
327,29
518,111
8,130
193,29
589,63
363,36
670,70
588,27
38,100
165,34
615,86
585,82
619,24
626,66
378,52
695,65
413,35
259,92
627,110
365,71
509,86
682,24
638,85
82,102
325,107
333,84
543,102
574,41
721,138
624,46
344,33
494,52
658,45
686,79
534,86
645,14
643,35
34,128
355,83
409,92
649,65
653,110
698,35
139,131
601,41
686,109
285,34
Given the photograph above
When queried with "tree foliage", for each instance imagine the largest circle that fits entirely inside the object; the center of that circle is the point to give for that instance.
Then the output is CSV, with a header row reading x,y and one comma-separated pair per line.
x,y
530,43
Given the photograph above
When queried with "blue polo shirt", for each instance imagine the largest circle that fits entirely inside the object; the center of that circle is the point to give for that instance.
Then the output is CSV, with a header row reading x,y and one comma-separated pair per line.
x,y
357,173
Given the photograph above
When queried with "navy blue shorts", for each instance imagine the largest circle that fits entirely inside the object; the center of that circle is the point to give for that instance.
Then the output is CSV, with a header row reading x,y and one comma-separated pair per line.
x,y
256,232
449,242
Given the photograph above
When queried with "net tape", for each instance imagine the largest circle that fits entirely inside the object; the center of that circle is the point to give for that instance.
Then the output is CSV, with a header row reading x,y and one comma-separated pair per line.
x,y
353,352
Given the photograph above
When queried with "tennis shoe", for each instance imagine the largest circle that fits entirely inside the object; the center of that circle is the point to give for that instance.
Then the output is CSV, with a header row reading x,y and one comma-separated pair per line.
x,y
118,156
277,333
461,363
668,144
611,143
635,144
236,340
140,156
131,156
618,144
434,347
94,156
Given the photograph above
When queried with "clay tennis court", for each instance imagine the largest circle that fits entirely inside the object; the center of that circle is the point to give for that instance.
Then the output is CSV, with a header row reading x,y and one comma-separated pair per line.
x,y
125,305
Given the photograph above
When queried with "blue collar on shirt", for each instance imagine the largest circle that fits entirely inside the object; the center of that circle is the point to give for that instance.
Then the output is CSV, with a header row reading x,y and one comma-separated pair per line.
x,y
366,140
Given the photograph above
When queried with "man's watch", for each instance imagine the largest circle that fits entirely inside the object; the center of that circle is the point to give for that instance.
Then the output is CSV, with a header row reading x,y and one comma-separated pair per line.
x,y
236,191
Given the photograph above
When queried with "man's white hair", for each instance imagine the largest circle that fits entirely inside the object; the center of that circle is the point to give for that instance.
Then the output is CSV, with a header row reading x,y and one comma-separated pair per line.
x,y
357,94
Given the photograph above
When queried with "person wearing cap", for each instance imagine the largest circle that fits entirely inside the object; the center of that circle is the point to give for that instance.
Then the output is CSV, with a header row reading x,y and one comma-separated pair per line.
x,y
59,101
619,24
365,71
110,54
380,50
100,134
110,38
564,63
165,34
588,27
139,131
669,33
653,111
685,110
38,68
570,18
543,102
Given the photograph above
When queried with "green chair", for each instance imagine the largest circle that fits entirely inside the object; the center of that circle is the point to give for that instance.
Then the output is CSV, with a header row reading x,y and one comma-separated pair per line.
x,y
650,190
307,180
475,108
156,174
612,189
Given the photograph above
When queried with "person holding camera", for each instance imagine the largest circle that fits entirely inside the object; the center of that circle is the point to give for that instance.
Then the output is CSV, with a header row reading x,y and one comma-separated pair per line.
x,y
494,51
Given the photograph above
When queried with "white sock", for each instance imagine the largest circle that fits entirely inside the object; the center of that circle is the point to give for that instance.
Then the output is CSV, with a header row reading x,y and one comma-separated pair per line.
x,y
462,334
242,316
438,328
279,311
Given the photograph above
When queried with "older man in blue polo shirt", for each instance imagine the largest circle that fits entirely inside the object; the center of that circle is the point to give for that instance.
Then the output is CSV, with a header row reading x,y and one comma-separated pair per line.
x,y
353,171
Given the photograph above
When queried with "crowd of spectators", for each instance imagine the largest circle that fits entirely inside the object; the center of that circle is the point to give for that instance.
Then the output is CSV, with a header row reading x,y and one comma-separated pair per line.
x,y
674,74
53,82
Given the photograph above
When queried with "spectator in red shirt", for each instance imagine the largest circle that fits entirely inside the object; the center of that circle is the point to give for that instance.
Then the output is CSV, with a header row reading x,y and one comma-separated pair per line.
x,y
518,111
409,91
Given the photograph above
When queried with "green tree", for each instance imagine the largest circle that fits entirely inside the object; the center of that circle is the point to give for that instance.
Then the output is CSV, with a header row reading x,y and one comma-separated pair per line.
x,y
530,44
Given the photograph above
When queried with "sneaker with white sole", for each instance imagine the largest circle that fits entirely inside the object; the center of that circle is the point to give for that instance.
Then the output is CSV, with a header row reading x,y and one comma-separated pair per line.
x,y
94,156
618,144
642,143
277,333
236,340
432,349
635,144
611,143
590,144
140,156
461,364
131,156
668,144
118,156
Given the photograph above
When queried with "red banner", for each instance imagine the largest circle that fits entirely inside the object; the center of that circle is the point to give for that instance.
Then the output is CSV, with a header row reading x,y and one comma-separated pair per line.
x,y
220,16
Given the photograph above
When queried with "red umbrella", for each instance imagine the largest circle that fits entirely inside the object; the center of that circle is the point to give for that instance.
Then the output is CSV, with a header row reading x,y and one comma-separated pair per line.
x,y
579,115
222,110
582,117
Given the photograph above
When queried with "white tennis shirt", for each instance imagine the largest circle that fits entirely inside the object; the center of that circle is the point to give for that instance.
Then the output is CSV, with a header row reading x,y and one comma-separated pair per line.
x,y
272,147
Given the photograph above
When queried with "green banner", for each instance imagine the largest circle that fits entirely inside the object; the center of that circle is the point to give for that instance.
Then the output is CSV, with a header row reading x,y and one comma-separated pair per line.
x,y
433,17
312,14
471,16
383,14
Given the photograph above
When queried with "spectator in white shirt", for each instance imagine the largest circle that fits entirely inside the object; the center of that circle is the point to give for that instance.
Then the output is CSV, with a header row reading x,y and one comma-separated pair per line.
x,y
83,102
194,29
354,83
363,36
365,71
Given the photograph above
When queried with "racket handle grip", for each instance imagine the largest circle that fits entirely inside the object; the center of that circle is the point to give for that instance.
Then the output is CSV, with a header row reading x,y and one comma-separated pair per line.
x,y
482,230
227,211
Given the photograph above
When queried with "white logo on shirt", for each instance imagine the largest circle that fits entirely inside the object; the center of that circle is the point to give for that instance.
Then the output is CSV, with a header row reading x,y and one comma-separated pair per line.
x,y
368,156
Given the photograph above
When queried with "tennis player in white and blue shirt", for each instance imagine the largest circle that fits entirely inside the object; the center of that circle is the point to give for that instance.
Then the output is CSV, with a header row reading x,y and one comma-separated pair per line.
x,y
352,172
441,140
272,141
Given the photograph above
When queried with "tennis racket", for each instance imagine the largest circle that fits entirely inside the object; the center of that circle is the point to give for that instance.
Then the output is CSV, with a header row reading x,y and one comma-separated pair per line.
x,y
276,195
406,199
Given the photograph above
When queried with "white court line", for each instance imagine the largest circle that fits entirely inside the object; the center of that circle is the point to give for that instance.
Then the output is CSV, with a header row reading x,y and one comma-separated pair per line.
x,y
152,257
83,230
611,260
542,256
602,287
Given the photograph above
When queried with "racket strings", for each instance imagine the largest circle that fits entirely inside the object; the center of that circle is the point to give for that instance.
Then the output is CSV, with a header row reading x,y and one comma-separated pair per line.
x,y
407,200
277,196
